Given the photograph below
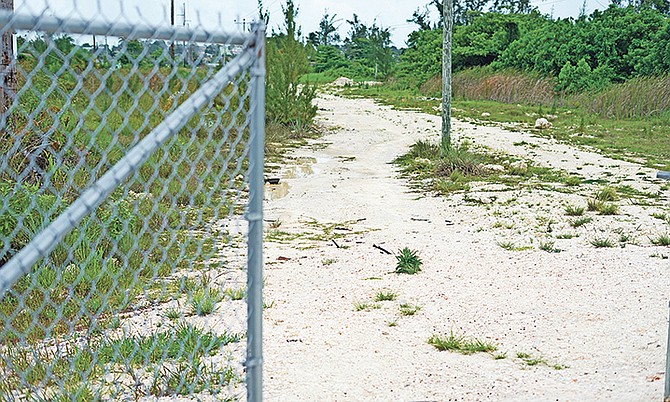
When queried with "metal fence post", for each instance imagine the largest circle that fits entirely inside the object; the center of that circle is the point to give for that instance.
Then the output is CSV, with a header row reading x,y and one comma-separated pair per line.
x,y
666,395
254,359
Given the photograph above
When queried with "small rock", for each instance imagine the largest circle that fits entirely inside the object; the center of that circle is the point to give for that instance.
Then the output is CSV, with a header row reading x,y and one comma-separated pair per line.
x,y
343,82
542,123
486,114
519,165
494,168
423,161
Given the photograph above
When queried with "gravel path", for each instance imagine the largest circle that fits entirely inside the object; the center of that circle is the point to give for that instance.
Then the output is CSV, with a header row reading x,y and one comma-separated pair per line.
x,y
594,319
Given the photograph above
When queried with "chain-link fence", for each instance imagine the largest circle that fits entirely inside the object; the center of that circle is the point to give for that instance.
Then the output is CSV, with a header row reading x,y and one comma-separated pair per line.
x,y
131,174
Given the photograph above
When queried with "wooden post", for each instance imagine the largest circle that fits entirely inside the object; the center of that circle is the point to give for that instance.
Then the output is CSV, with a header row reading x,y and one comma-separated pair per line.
x,y
447,24
7,70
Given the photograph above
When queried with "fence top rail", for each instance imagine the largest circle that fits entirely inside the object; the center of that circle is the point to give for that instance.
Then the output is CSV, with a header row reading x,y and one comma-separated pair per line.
x,y
50,24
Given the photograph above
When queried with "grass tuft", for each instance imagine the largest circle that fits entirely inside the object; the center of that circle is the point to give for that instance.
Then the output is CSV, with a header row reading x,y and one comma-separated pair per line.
x,y
572,210
385,295
548,246
204,301
581,221
461,344
661,240
407,309
602,242
607,194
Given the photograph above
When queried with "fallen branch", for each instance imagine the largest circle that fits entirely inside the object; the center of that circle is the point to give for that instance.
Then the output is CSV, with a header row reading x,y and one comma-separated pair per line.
x,y
382,249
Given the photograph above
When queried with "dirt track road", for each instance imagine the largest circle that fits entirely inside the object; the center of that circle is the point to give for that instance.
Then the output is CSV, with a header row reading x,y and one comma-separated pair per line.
x,y
599,312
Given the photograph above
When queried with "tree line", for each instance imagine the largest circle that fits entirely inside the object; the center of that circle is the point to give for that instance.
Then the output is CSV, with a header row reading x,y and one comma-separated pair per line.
x,y
628,39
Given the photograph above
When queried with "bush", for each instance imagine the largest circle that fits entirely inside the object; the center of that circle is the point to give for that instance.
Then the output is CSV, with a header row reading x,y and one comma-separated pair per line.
x,y
288,102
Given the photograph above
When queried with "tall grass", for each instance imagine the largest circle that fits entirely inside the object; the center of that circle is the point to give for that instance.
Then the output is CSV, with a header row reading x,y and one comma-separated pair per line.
x,y
509,86
635,98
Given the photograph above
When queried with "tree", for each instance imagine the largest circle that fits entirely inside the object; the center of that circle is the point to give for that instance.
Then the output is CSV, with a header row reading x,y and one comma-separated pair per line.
x,y
288,102
290,14
327,33
369,45
448,18
421,19
263,15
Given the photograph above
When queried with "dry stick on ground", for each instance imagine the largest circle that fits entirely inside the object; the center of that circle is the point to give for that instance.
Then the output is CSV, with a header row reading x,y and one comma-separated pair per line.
x,y
382,249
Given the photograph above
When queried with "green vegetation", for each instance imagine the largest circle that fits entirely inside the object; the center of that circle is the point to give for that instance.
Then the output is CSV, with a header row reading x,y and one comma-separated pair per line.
x,y
661,240
365,306
580,222
385,295
185,346
602,242
408,309
571,210
204,301
235,294
549,247
461,344
408,262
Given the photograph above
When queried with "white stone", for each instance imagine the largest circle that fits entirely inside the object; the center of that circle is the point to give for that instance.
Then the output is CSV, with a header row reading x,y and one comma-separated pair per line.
x,y
542,123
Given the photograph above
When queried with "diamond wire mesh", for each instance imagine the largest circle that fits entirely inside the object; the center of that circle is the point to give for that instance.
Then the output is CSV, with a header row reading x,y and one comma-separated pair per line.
x,y
144,297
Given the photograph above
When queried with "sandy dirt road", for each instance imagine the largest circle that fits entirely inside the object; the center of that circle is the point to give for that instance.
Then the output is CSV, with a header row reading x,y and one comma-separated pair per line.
x,y
594,318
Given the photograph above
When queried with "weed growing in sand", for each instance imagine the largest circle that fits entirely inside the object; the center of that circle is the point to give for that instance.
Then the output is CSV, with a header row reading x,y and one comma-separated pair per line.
x,y
608,209
393,323
407,309
625,238
235,294
662,240
662,216
572,181
328,261
461,344
581,221
607,194
364,306
548,246
204,301
385,295
408,262
182,343
530,360
500,356
603,242
572,210
507,245
594,204
567,236
172,314
659,255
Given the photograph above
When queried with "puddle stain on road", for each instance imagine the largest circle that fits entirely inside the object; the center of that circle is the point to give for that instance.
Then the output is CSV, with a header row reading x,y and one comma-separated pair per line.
x,y
301,167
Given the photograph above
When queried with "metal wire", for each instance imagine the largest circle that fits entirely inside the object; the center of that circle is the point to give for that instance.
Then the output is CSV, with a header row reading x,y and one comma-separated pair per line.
x,y
127,171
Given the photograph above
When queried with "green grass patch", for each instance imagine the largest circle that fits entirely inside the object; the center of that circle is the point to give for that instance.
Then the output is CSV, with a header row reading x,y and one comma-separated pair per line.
x,y
602,242
385,295
409,309
461,344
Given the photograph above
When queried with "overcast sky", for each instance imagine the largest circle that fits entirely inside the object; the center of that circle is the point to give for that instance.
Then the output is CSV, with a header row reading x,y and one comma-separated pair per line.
x,y
388,13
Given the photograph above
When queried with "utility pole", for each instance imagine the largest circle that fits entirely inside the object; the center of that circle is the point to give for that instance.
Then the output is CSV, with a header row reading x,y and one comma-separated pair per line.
x,y
447,25
187,50
7,72
172,23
